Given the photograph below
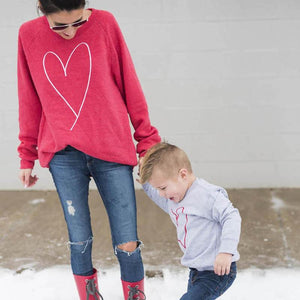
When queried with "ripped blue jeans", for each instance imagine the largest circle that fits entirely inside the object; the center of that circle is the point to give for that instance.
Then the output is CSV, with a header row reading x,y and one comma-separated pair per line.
x,y
206,285
71,170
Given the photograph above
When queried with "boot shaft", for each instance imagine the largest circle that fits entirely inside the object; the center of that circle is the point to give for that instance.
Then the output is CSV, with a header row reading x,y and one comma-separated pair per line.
x,y
133,290
87,287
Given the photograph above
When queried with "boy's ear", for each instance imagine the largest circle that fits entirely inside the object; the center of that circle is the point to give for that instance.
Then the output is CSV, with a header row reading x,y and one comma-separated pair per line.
x,y
183,173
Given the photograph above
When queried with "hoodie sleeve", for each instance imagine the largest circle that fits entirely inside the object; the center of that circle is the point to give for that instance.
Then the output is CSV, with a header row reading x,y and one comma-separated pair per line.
x,y
230,220
127,81
29,111
154,196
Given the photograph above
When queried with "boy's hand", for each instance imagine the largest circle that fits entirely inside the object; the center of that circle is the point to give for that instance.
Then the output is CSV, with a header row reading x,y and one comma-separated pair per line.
x,y
141,160
140,163
222,264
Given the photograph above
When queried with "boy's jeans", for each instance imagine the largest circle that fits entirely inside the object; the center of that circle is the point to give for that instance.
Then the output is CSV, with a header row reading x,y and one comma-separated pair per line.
x,y
206,285
71,171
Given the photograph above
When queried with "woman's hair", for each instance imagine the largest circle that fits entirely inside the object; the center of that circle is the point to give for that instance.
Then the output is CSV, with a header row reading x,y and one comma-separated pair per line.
x,y
169,159
48,7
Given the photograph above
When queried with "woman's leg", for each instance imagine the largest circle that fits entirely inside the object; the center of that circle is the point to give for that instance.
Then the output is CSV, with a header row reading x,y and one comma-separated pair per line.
x,y
71,177
115,184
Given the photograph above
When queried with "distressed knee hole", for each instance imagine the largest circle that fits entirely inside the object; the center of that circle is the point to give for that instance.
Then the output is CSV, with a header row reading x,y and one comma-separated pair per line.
x,y
129,247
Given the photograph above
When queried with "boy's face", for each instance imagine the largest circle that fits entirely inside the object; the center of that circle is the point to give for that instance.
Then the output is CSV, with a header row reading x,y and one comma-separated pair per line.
x,y
173,188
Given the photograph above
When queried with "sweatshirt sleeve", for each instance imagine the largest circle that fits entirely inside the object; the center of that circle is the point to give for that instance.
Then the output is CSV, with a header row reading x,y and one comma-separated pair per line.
x,y
230,220
29,111
127,81
154,196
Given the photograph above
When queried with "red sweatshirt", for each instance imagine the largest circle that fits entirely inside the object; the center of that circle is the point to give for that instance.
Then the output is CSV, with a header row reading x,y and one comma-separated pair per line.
x,y
80,92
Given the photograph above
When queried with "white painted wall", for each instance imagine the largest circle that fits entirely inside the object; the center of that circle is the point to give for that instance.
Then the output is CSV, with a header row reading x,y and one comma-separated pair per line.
x,y
222,79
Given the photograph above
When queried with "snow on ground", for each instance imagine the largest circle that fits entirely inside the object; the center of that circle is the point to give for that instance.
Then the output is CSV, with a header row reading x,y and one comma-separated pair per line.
x,y
57,283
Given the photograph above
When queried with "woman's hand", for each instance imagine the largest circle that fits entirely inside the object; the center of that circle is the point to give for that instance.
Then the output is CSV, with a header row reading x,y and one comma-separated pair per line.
x,y
26,178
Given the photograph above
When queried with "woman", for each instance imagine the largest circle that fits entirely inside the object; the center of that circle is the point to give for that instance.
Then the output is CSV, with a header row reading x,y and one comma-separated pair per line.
x,y
77,86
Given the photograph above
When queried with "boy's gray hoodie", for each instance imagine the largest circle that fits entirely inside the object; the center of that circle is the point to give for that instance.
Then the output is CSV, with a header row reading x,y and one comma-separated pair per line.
x,y
206,222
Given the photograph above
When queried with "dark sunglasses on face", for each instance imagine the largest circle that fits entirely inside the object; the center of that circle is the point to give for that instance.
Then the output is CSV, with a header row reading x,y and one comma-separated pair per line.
x,y
65,26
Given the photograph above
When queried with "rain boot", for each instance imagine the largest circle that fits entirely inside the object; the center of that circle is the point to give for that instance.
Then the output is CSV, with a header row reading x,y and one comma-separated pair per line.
x,y
133,290
87,287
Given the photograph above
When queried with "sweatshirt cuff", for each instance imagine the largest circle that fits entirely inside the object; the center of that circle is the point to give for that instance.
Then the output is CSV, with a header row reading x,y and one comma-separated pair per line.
x,y
228,246
142,154
26,164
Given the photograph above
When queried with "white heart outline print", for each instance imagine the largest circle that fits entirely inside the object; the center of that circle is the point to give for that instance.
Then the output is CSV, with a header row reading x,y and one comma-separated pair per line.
x,y
65,72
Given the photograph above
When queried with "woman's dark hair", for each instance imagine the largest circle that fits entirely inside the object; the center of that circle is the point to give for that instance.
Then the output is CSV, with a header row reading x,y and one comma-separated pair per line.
x,y
48,7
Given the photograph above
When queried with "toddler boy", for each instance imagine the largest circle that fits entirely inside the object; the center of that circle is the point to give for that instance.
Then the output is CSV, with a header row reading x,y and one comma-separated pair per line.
x,y
208,226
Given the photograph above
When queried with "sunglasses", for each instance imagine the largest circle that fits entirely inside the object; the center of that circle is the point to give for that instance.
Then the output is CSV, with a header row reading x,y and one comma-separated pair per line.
x,y
65,26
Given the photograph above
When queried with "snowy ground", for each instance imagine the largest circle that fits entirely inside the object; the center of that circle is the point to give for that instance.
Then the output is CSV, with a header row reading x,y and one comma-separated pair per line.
x,y
57,284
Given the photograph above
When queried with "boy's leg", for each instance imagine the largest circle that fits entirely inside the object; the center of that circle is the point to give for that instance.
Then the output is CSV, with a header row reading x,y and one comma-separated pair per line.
x,y
206,285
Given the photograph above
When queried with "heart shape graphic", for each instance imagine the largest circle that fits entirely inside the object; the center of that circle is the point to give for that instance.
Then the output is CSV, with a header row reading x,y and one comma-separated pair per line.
x,y
64,67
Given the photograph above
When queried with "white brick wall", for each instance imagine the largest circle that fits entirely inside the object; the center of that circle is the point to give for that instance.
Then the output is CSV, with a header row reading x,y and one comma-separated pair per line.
x,y
222,79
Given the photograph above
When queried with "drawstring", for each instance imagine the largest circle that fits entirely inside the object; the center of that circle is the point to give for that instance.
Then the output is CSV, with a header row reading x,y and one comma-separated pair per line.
x,y
91,290
134,291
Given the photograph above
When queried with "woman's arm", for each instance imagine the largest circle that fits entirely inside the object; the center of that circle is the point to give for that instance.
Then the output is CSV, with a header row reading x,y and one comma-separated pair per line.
x,y
29,111
128,83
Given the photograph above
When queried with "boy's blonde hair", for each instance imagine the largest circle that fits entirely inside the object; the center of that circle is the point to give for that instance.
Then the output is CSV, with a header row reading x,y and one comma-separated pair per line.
x,y
168,158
